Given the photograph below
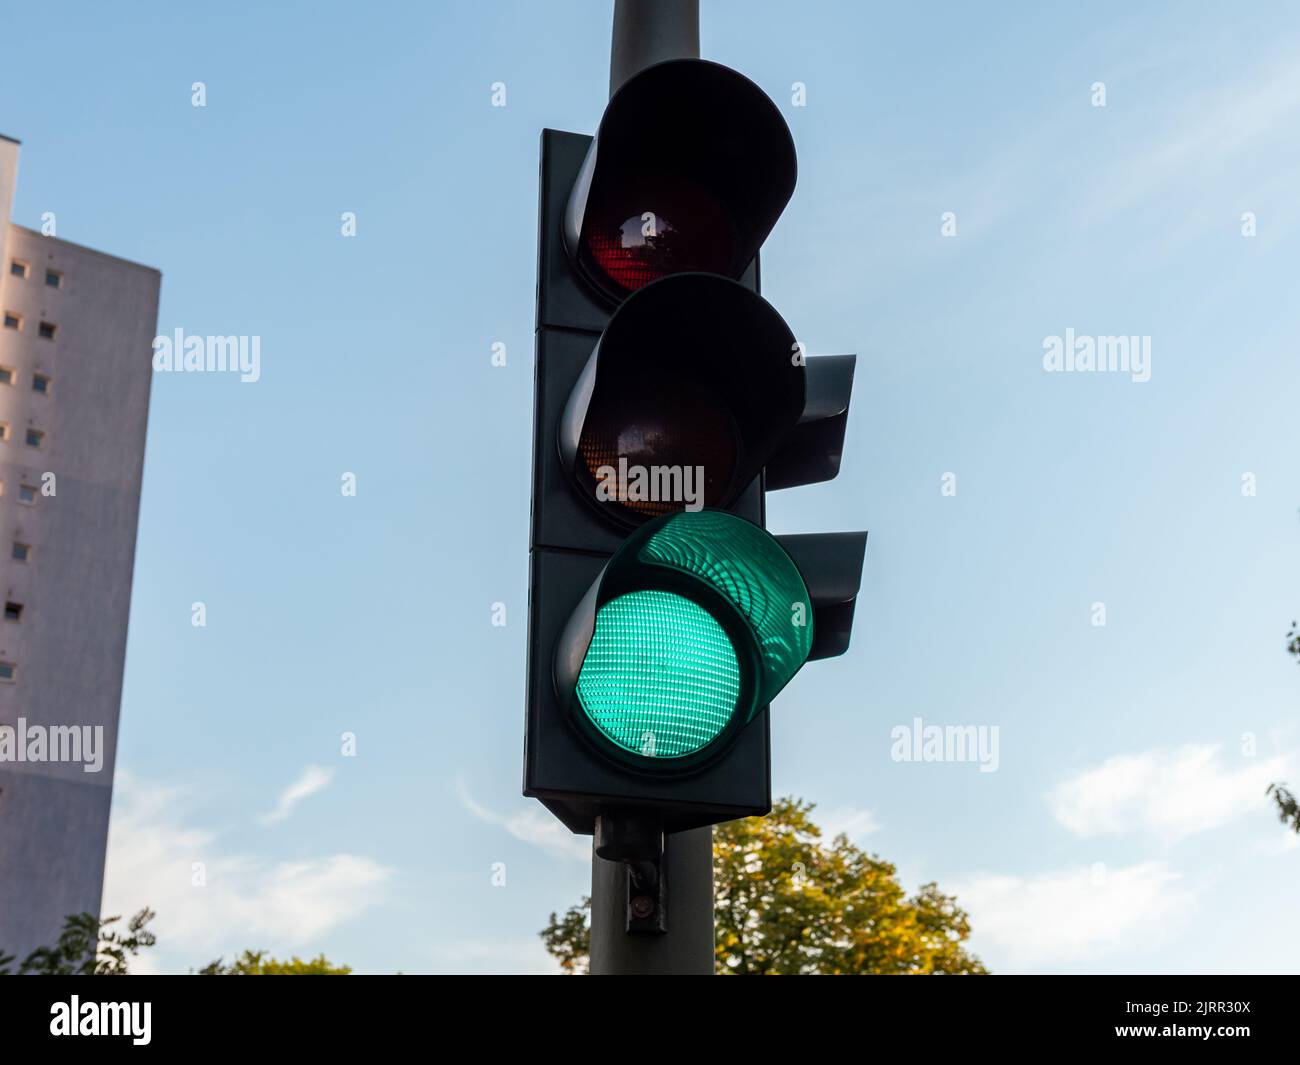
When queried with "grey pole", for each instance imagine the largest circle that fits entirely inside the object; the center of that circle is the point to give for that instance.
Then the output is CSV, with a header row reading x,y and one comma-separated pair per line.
x,y
648,32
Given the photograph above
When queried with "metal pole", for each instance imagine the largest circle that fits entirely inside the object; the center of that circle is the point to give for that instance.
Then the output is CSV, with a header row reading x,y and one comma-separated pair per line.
x,y
648,32
686,948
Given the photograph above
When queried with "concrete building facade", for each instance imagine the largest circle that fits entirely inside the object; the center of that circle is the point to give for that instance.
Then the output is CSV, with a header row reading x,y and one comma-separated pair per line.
x,y
75,371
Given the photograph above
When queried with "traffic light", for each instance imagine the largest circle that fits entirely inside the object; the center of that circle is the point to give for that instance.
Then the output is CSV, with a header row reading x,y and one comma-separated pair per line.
x,y
663,617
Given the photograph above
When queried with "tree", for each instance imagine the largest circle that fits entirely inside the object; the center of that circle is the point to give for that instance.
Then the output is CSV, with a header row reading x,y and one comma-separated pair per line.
x,y
1288,809
257,963
568,940
87,948
787,903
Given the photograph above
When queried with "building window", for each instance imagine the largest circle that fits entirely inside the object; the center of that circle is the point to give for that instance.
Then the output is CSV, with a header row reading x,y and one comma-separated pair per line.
x,y
13,321
34,437
13,611
22,552
41,383
27,494
47,330
54,279
4,431
18,269
6,375
8,671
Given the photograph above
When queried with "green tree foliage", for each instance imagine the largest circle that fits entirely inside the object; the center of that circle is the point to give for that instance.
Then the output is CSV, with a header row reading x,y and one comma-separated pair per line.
x,y
1288,810
87,947
258,963
568,939
786,902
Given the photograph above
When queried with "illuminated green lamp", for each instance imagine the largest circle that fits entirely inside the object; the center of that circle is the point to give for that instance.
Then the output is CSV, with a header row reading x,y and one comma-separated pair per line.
x,y
697,621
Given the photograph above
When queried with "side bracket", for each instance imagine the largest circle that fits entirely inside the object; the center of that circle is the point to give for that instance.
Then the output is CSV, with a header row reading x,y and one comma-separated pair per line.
x,y
639,843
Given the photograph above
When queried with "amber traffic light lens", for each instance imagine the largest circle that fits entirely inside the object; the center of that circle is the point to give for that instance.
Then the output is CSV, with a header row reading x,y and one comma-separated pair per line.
x,y
660,449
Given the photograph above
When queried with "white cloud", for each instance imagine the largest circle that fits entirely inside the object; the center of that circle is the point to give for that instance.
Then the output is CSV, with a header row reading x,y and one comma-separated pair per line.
x,y
533,825
1170,793
311,780
854,823
1072,914
245,902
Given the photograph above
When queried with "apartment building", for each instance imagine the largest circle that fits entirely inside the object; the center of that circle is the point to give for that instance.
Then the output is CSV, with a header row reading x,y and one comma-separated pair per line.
x,y
75,370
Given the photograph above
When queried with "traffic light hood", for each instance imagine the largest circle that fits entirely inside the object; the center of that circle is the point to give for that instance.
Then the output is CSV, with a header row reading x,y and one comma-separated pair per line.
x,y
690,168
695,383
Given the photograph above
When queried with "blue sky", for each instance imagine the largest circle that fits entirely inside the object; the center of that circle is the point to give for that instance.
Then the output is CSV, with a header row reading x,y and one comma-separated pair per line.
x,y
1126,827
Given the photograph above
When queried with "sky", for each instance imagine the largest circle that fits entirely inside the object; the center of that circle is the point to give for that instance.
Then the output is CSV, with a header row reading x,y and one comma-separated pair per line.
x,y
963,197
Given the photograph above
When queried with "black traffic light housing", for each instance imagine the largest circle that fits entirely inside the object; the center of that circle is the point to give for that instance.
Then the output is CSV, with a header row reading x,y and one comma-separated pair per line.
x,y
705,345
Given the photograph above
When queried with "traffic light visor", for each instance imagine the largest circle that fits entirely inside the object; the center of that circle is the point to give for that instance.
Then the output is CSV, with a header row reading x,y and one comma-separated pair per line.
x,y
693,385
690,169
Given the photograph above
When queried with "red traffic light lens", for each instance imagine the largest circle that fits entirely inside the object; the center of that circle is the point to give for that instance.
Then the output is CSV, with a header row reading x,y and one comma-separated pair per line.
x,y
661,226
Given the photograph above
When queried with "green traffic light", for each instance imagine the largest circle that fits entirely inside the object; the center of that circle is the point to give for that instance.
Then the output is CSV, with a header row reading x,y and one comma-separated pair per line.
x,y
660,678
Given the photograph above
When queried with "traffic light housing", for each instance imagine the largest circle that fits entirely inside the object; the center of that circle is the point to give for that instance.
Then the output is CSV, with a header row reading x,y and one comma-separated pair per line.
x,y
663,618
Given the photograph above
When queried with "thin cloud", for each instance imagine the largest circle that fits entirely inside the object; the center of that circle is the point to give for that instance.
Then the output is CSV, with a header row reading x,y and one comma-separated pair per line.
x,y
311,780
1168,793
848,821
532,825
1240,124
